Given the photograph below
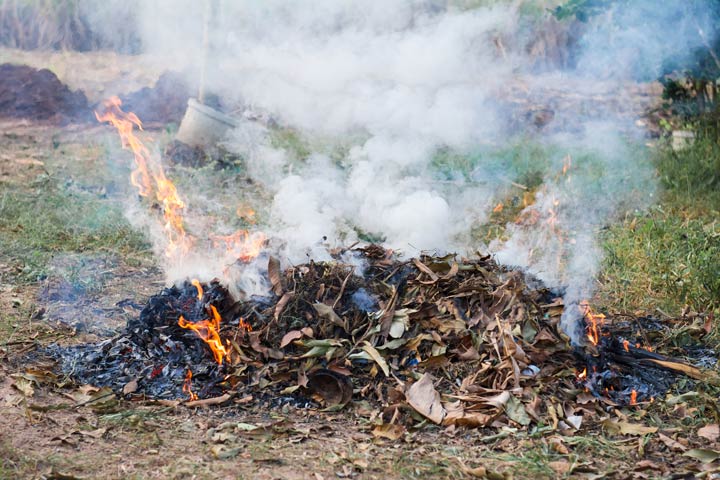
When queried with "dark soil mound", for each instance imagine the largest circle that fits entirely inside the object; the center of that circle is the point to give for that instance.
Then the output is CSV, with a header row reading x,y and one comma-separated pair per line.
x,y
164,103
26,92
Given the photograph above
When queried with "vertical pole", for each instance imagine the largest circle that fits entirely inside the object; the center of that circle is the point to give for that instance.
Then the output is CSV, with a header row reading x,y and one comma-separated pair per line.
x,y
205,50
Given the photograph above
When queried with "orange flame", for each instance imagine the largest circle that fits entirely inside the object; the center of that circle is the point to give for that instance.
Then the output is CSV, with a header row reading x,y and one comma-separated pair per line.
x,y
187,386
567,163
196,283
498,208
593,322
633,397
552,218
208,330
582,375
241,245
246,213
149,175
244,326
626,345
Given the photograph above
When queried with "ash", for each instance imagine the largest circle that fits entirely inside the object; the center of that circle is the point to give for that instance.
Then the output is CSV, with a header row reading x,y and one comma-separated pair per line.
x,y
153,349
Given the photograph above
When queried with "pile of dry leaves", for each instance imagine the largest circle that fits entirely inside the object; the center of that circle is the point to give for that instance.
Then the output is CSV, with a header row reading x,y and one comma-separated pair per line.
x,y
456,342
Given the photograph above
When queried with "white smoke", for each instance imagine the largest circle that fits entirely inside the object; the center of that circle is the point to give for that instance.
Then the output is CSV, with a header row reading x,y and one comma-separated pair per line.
x,y
382,91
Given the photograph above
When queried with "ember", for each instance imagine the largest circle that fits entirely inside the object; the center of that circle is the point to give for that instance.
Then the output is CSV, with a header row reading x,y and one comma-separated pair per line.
x,y
593,321
187,386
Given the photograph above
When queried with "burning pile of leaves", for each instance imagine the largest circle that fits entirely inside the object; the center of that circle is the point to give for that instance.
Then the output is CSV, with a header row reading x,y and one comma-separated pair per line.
x,y
455,341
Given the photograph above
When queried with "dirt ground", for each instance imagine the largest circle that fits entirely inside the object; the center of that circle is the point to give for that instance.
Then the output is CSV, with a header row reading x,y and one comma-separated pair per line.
x,y
53,292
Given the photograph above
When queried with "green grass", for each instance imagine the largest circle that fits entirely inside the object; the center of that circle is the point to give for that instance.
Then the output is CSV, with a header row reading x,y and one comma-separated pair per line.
x,y
661,259
523,161
669,256
13,464
692,172
46,219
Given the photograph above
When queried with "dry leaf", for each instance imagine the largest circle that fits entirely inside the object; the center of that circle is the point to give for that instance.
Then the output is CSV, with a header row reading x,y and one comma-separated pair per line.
x,y
64,440
477,472
648,465
23,385
575,421
515,410
290,336
334,388
702,454
326,311
423,397
274,276
58,475
498,400
98,433
557,445
389,430
221,452
560,467
671,443
627,428
708,324
377,357
711,432
130,387
281,304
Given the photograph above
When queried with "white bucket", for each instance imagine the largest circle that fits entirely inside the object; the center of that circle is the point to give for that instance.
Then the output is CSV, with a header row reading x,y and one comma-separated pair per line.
x,y
202,125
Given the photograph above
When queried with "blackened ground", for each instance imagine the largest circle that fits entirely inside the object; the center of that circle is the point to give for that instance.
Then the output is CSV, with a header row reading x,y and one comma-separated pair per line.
x,y
32,94
179,153
154,350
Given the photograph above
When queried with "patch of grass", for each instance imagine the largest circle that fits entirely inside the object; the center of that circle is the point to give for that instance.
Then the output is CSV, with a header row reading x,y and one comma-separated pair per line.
x,y
522,161
691,172
13,464
661,259
669,256
38,222
291,141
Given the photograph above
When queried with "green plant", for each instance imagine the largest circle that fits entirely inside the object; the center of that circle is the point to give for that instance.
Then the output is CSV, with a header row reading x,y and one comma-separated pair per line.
x,y
692,171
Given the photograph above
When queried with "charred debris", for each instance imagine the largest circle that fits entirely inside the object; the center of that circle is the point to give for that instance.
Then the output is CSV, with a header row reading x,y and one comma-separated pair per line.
x,y
455,341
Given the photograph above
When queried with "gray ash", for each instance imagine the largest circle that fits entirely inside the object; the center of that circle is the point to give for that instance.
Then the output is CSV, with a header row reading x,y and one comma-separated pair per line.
x,y
154,350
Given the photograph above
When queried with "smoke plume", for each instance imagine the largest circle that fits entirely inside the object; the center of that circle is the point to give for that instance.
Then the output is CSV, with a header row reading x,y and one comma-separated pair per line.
x,y
405,121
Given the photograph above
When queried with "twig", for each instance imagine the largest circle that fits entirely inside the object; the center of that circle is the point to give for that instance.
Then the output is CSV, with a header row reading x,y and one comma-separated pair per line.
x,y
209,401
17,342
342,287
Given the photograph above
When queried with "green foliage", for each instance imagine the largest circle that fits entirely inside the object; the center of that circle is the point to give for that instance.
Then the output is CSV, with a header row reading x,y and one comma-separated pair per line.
x,y
582,9
693,171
